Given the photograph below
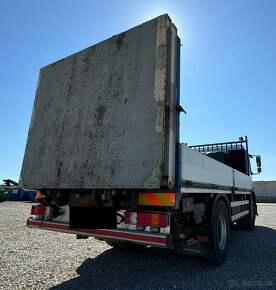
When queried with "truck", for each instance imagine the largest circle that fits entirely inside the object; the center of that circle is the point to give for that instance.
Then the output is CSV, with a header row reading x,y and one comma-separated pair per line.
x,y
104,152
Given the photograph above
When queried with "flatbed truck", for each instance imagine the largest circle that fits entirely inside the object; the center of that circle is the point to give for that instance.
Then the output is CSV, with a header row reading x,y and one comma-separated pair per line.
x,y
192,195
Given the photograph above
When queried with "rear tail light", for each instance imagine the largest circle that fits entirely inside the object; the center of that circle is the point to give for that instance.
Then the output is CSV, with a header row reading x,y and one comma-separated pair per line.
x,y
41,210
147,219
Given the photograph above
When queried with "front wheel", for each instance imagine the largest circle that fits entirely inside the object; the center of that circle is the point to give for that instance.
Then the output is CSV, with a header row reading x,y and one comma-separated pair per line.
x,y
220,233
248,222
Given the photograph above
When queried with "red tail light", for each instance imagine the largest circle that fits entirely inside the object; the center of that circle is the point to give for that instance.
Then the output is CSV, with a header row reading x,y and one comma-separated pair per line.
x,y
41,210
147,219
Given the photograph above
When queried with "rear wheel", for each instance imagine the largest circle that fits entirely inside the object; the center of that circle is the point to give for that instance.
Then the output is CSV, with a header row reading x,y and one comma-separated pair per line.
x,y
220,232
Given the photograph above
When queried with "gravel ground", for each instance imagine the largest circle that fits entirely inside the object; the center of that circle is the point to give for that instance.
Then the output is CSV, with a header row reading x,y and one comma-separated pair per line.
x,y
37,259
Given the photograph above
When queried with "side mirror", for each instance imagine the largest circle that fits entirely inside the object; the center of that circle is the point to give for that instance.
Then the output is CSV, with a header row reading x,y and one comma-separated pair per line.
x,y
259,163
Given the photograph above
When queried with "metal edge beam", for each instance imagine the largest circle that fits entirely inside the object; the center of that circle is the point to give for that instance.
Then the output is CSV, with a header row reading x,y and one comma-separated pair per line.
x,y
172,87
242,192
237,203
202,190
239,215
148,239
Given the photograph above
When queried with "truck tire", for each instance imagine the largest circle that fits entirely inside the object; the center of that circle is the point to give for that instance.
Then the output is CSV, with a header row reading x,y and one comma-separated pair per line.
x,y
220,233
248,222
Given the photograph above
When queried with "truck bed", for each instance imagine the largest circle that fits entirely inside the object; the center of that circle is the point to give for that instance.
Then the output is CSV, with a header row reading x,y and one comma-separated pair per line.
x,y
201,169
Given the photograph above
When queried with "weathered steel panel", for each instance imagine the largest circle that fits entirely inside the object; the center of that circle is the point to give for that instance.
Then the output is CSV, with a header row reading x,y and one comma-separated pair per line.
x,y
98,116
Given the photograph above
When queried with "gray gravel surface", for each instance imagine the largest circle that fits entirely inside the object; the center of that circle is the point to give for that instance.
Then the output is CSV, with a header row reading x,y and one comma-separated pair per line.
x,y
37,259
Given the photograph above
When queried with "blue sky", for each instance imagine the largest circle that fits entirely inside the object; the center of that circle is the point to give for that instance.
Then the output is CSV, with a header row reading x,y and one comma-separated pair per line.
x,y
228,65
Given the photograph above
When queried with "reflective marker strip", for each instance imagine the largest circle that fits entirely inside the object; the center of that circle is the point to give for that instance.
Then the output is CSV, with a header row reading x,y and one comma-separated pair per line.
x,y
159,199
151,199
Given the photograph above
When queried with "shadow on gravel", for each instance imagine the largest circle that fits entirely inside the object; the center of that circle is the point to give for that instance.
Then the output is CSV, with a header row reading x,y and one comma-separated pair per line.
x,y
251,263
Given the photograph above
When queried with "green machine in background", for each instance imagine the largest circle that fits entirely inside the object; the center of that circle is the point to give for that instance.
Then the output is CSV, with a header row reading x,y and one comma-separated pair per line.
x,y
4,193
6,189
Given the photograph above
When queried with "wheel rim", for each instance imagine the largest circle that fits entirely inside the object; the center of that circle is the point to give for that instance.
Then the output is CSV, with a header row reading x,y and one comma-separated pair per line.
x,y
222,232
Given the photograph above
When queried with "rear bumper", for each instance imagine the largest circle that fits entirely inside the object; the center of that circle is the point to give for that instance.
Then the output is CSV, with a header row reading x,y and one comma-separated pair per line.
x,y
146,238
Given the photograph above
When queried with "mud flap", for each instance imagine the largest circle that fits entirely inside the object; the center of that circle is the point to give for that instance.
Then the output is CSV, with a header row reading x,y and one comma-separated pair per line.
x,y
195,241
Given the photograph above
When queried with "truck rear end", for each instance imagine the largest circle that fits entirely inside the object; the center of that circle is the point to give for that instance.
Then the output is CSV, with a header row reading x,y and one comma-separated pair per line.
x,y
103,151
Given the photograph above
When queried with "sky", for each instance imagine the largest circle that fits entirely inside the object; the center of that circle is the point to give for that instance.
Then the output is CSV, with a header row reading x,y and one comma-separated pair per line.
x,y
228,65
